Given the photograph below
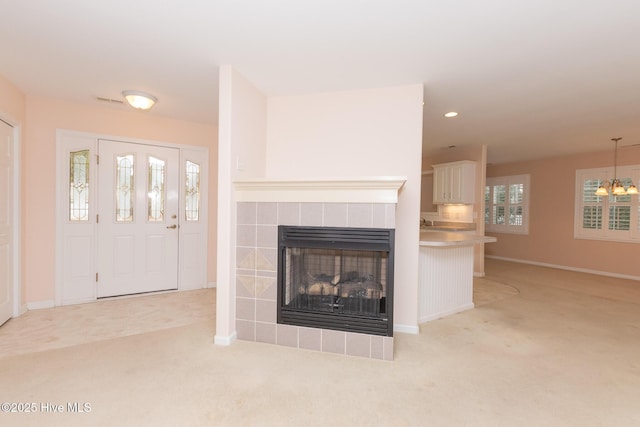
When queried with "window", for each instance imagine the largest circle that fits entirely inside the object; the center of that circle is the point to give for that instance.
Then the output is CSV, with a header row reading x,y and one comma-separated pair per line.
x,y
155,190
506,204
125,189
192,191
609,217
79,186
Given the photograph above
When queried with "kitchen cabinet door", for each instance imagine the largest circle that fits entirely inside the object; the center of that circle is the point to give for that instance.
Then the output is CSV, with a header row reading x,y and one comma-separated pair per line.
x,y
454,183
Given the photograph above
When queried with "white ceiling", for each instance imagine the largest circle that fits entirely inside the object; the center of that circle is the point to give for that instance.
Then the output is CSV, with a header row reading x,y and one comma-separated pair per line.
x,y
529,79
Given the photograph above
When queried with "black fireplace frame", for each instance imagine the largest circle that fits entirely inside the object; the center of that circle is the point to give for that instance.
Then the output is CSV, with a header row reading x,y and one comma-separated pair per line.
x,y
346,238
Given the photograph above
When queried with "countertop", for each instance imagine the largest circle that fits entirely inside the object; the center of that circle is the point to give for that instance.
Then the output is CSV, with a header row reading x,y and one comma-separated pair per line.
x,y
448,227
442,238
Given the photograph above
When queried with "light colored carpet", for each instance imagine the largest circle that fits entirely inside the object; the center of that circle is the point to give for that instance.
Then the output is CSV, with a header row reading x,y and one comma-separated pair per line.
x,y
487,291
564,351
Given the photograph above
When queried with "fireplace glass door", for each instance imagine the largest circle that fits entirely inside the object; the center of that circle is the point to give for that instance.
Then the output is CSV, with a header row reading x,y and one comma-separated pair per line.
x,y
336,281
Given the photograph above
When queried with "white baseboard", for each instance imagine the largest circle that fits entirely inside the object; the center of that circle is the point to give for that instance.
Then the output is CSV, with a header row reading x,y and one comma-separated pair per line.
x,y
406,329
446,313
225,341
564,267
38,305
478,274
212,284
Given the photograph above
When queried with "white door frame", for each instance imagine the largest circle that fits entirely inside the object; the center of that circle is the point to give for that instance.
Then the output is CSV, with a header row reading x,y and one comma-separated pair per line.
x,y
186,279
18,307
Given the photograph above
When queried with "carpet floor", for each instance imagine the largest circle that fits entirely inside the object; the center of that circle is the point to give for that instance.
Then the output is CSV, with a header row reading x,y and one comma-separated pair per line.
x,y
543,347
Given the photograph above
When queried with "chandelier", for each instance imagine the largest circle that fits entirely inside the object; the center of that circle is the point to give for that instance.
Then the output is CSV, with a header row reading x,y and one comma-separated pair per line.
x,y
617,189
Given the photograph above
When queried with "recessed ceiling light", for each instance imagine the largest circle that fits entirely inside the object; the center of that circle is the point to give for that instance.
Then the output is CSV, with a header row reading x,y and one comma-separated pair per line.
x,y
450,114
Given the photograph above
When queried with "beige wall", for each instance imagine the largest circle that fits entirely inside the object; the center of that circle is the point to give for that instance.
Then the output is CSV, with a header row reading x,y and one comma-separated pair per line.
x,y
327,135
44,116
373,132
12,102
551,212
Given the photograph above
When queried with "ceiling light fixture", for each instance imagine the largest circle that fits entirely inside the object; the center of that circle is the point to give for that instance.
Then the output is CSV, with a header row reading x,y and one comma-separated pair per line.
x,y
617,189
139,100
450,114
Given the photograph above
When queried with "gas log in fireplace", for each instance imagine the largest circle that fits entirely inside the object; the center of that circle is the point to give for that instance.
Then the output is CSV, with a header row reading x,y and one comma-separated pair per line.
x,y
336,278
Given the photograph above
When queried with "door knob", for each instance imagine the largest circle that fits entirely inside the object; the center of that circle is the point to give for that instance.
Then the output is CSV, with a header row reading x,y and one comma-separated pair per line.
x,y
172,226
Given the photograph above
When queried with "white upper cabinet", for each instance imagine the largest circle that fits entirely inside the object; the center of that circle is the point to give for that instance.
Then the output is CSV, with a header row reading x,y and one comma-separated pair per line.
x,y
454,183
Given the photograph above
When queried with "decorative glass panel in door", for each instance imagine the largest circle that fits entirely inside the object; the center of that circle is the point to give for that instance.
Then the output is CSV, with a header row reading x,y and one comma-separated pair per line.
x,y
125,189
192,191
79,185
155,190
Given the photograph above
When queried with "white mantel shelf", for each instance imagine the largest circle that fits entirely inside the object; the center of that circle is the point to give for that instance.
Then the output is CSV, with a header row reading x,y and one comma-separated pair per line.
x,y
383,189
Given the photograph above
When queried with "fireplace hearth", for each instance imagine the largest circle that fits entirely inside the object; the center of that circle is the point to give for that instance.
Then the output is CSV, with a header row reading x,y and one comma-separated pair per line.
x,y
337,278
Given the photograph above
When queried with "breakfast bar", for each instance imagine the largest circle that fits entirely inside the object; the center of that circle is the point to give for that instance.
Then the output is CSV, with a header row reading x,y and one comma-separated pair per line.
x,y
446,273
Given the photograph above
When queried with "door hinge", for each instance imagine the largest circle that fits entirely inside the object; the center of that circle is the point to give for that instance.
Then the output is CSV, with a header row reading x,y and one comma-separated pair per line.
x,y
97,159
97,218
96,277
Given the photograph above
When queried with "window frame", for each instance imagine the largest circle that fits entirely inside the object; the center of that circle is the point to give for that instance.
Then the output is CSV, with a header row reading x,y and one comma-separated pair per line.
x,y
604,233
508,181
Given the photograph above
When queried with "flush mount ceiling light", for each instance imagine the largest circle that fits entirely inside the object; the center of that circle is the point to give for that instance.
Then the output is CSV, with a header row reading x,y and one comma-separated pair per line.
x,y
139,100
450,114
617,189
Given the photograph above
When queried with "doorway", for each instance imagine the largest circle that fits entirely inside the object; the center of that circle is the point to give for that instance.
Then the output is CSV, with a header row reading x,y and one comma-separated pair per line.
x,y
137,218
6,221
132,217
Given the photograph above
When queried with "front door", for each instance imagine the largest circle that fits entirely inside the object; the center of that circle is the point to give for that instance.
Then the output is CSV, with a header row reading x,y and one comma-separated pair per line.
x,y
6,223
138,218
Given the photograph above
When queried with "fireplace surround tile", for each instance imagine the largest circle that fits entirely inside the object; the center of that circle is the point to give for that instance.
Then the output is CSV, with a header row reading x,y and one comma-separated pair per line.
x,y
390,215
267,235
267,213
377,347
246,308
360,215
388,348
246,213
358,344
288,213
245,258
256,274
246,330
378,215
310,214
266,288
310,338
246,236
266,311
333,341
267,259
287,335
245,286
266,332
335,214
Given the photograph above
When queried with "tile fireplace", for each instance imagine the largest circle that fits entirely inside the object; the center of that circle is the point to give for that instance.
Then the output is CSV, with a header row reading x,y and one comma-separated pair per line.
x,y
349,280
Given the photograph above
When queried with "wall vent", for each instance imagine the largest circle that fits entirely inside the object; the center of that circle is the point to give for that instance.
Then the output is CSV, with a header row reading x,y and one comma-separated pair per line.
x,y
109,100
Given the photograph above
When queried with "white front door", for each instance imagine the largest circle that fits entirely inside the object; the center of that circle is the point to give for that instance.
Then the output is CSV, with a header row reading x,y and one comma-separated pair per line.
x,y
138,218
6,223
